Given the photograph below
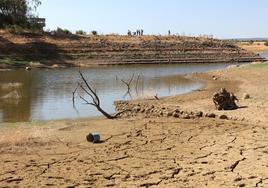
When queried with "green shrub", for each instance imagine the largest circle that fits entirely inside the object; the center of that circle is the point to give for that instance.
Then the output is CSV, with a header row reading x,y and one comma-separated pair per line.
x,y
80,32
61,31
16,29
94,32
250,42
266,43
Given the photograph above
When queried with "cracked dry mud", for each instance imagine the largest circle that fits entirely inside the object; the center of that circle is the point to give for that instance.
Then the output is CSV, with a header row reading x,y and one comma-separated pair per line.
x,y
142,152
148,153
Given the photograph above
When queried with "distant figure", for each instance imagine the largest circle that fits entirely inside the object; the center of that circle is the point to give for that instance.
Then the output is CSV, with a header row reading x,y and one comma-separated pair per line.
x,y
138,32
169,33
129,33
141,32
134,33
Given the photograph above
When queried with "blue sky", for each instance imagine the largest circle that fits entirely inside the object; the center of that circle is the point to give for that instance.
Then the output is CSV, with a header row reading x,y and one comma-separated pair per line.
x,y
221,18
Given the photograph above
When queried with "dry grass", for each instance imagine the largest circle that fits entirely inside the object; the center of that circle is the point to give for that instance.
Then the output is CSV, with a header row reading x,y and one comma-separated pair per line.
x,y
254,47
21,39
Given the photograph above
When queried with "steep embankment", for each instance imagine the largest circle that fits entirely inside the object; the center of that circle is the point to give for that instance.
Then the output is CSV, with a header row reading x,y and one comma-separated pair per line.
x,y
90,50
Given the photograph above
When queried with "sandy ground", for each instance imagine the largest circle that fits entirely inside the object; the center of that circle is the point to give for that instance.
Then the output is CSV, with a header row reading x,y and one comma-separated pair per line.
x,y
255,47
149,152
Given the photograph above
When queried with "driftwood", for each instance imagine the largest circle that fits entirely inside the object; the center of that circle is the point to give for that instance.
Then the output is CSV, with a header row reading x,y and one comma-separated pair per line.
x,y
225,100
94,98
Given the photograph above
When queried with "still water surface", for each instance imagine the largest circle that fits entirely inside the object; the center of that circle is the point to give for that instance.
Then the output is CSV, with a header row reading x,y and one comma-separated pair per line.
x,y
264,54
47,94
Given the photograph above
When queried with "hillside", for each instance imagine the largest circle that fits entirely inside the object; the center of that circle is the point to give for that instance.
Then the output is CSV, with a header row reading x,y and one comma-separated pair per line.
x,y
48,50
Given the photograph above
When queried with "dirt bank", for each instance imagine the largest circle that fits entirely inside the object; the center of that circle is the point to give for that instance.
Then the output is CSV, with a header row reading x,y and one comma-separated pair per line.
x,y
255,47
145,152
52,51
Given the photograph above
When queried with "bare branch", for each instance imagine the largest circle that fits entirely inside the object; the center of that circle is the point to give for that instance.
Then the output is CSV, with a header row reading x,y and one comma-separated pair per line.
x,y
119,113
127,93
87,92
86,101
156,97
128,83
137,82
74,92
94,97
90,89
131,78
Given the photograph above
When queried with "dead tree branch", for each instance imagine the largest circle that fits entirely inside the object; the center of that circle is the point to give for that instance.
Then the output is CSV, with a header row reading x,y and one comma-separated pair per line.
x,y
137,83
156,97
128,83
74,93
94,97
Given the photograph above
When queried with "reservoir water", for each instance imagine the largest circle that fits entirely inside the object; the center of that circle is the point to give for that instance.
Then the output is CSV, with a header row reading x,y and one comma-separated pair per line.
x,y
42,94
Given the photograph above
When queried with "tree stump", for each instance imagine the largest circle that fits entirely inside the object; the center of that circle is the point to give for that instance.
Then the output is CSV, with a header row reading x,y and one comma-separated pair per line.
x,y
225,100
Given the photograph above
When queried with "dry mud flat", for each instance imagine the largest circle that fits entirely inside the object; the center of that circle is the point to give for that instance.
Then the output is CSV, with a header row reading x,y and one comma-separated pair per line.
x,y
149,152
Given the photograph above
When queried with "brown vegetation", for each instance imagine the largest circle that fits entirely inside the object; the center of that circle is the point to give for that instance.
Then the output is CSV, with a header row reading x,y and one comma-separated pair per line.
x,y
91,50
254,47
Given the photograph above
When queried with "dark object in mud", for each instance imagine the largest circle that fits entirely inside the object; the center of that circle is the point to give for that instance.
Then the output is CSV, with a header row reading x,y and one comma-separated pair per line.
x,y
223,117
93,137
225,100
210,115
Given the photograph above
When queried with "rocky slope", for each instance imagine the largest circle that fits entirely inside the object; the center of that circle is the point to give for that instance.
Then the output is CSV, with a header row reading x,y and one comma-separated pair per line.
x,y
89,50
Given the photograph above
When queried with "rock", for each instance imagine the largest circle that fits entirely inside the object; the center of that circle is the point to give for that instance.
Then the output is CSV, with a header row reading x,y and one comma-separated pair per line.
x,y
147,110
210,115
223,117
199,114
246,96
186,116
136,109
214,77
169,114
242,185
176,114
176,110
165,113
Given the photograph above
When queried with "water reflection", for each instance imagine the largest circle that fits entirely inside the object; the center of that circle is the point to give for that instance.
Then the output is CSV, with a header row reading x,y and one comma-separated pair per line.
x,y
47,94
265,55
16,96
